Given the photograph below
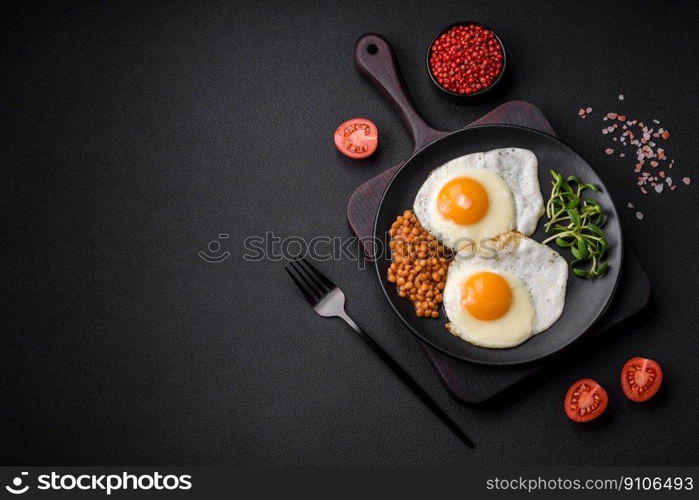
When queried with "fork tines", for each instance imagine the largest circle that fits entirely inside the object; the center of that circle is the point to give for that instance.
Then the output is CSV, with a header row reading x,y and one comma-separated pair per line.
x,y
314,285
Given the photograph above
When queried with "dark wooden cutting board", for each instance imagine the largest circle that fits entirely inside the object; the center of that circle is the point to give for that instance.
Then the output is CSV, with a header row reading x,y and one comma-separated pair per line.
x,y
468,382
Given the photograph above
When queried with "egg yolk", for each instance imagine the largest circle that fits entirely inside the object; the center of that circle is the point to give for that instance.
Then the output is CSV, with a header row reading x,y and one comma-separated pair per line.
x,y
487,296
463,200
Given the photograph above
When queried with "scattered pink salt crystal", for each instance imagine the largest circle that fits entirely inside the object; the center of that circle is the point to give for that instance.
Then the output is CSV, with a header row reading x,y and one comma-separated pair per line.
x,y
639,215
643,142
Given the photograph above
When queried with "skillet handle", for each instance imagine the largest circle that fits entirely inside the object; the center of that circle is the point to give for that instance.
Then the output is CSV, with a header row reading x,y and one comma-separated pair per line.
x,y
375,58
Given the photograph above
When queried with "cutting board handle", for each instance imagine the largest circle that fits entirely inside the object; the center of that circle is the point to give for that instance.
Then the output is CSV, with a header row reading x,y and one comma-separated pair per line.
x,y
375,58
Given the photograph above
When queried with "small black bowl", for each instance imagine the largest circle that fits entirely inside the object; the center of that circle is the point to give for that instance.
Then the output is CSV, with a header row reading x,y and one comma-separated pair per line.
x,y
481,95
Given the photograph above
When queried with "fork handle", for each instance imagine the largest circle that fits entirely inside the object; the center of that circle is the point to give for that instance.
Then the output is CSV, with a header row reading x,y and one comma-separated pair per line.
x,y
409,381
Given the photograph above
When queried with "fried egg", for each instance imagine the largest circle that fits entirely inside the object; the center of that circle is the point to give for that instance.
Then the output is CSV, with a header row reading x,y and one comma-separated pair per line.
x,y
504,290
481,195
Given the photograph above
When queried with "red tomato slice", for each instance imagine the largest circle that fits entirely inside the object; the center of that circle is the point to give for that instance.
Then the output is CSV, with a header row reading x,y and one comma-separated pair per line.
x,y
585,400
641,379
357,138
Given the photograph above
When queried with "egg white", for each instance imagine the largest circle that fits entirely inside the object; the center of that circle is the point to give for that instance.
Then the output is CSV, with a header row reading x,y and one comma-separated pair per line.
x,y
511,180
537,269
512,328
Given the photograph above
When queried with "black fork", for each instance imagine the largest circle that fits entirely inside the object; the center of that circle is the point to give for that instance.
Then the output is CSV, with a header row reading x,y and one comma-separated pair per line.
x,y
328,300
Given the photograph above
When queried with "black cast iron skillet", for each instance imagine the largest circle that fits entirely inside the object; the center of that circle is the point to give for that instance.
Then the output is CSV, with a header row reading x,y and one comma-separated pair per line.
x,y
586,300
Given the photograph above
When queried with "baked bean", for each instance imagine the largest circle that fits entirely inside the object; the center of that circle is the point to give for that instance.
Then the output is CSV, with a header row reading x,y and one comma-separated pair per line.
x,y
419,264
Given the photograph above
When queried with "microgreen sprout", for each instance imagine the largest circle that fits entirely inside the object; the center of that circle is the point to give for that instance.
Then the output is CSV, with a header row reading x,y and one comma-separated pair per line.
x,y
576,223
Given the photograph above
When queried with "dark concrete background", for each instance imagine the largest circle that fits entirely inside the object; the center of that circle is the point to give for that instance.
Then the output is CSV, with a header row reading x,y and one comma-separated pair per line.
x,y
135,133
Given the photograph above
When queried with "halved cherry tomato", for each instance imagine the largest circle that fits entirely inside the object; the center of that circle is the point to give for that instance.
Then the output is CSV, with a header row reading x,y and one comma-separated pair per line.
x,y
357,138
585,400
641,379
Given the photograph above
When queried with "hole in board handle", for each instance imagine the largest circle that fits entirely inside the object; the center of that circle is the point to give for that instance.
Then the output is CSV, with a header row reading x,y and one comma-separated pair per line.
x,y
372,49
